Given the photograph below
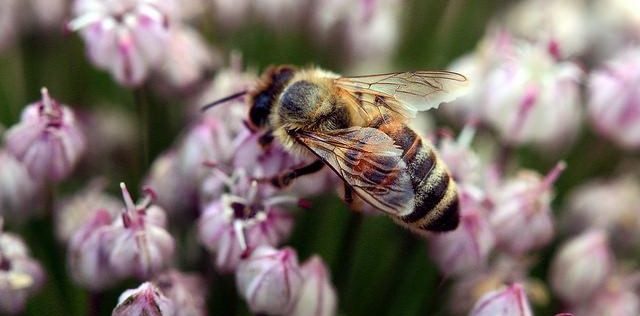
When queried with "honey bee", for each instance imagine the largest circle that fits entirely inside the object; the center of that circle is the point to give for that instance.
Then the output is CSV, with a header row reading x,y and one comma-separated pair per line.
x,y
357,126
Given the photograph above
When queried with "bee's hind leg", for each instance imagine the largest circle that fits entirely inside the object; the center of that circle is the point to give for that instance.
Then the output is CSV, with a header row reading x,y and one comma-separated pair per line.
x,y
285,178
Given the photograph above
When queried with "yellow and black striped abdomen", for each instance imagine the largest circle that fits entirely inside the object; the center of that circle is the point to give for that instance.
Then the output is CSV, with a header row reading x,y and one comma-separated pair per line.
x,y
436,198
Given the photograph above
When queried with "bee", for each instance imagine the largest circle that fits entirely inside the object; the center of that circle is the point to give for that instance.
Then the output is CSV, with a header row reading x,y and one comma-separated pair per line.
x,y
358,127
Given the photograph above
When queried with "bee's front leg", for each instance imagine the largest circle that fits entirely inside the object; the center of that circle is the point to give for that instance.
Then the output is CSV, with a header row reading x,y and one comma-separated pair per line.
x,y
285,178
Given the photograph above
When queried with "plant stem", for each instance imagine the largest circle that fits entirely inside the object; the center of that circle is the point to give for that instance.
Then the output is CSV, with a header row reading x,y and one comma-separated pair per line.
x,y
142,106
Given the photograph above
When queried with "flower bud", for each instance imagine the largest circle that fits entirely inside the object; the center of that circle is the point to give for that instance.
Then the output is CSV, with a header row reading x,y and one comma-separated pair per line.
x,y
317,295
47,140
581,267
614,99
231,14
144,300
533,98
175,192
463,163
141,247
188,59
611,205
511,300
17,189
87,249
616,298
8,22
127,38
522,218
187,292
270,280
466,248
73,211
20,275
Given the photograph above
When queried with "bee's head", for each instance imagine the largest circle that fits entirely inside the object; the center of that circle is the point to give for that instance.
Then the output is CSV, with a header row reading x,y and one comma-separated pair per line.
x,y
262,98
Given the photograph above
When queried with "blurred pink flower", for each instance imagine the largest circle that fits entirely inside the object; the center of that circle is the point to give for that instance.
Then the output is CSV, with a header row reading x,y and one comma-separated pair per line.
x,y
231,14
612,205
463,162
467,248
88,252
563,23
8,22
73,211
521,218
142,247
187,292
281,15
614,99
533,98
270,280
581,267
616,298
235,223
176,192
511,300
126,37
18,191
144,300
614,24
20,275
188,59
48,140
317,295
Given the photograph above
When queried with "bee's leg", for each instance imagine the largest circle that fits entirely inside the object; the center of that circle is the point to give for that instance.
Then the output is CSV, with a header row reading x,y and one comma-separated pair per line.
x,y
285,178
348,195
266,139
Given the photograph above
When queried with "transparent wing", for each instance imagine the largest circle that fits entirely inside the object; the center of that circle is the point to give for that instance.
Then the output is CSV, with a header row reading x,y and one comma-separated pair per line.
x,y
404,93
369,162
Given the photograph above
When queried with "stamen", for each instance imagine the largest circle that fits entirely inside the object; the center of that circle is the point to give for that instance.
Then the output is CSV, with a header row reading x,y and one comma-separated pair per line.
x,y
128,202
237,226
466,135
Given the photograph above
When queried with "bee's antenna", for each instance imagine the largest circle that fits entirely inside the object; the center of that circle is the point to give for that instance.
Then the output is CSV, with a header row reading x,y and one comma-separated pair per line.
x,y
223,100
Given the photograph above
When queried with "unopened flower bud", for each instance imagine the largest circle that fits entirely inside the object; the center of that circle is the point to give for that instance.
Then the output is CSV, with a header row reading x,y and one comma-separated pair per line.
x,y
48,140
581,267
510,300
72,212
463,163
142,247
144,300
614,99
616,298
521,218
466,248
20,275
270,280
17,189
317,295
611,205
128,38
87,253
188,292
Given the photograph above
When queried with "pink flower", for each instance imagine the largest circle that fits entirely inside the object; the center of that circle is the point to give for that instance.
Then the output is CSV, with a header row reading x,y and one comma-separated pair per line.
x,y
188,59
466,248
317,295
187,292
8,22
18,191
231,225
88,252
47,140
581,267
176,192
616,298
144,300
126,37
463,163
231,14
508,301
532,98
73,211
20,275
142,247
614,99
270,280
609,204
522,218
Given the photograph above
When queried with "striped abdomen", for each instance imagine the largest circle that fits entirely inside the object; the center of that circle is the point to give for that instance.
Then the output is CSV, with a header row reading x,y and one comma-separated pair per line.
x,y
436,198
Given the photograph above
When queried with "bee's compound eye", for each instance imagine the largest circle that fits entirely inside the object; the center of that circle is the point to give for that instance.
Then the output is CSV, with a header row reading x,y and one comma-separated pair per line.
x,y
259,112
300,97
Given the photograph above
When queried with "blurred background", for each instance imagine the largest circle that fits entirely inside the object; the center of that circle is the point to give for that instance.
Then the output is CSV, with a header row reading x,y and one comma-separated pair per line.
x,y
544,147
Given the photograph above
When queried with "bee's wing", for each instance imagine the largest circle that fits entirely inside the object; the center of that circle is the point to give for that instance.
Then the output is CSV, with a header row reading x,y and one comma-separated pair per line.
x,y
369,162
404,93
